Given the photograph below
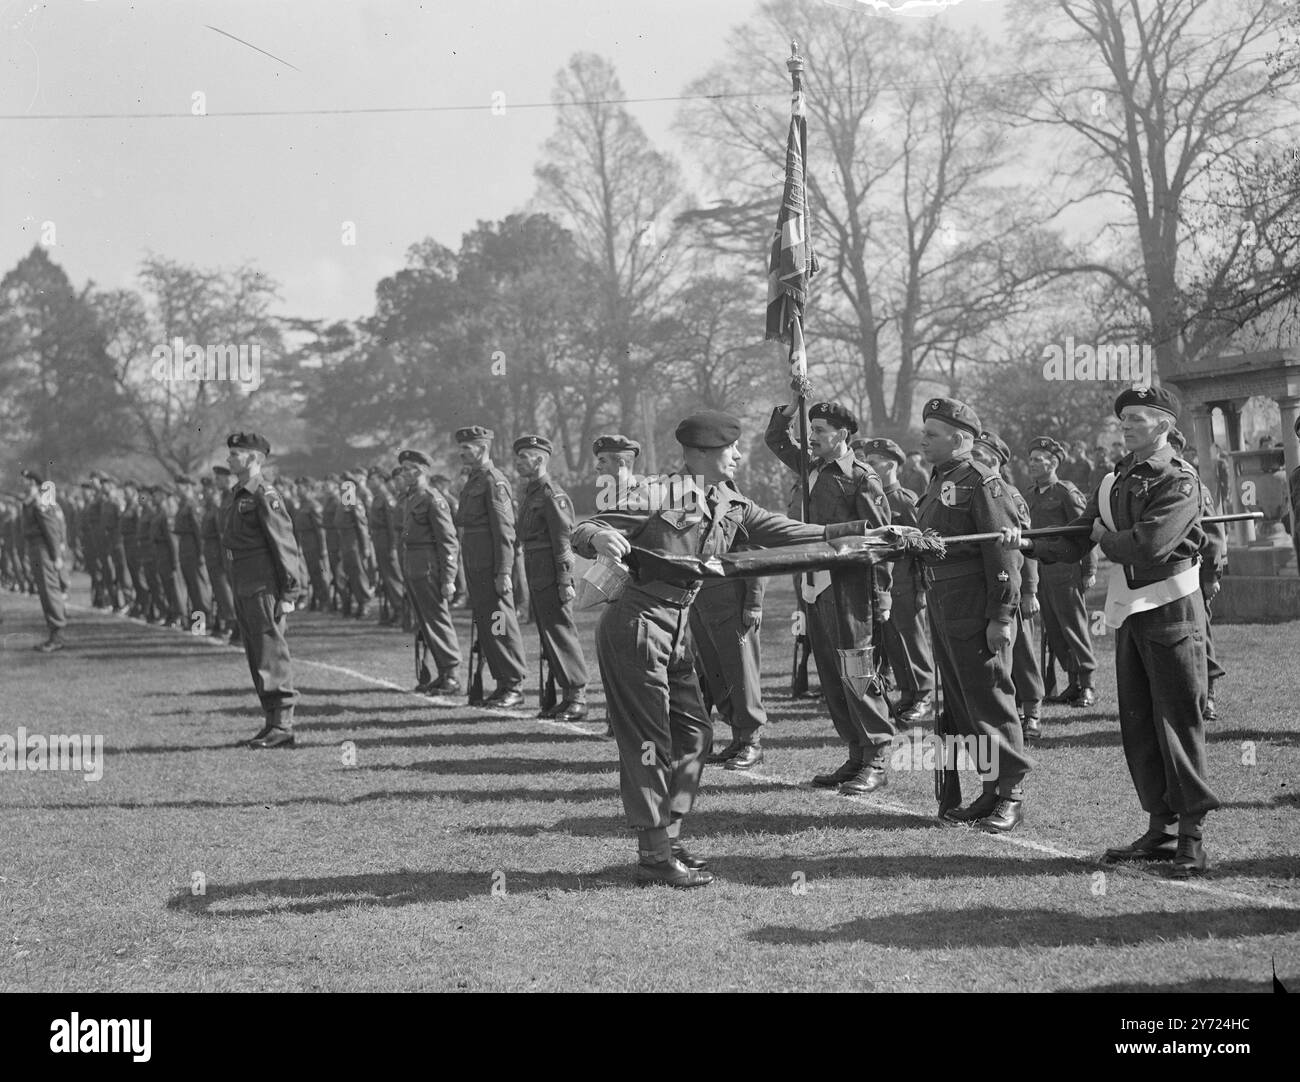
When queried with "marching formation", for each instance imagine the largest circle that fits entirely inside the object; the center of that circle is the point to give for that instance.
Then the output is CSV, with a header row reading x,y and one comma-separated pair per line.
x,y
962,635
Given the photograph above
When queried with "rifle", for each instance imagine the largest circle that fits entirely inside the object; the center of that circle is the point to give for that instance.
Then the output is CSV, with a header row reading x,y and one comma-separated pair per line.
x,y
546,687
1046,659
802,648
476,664
422,674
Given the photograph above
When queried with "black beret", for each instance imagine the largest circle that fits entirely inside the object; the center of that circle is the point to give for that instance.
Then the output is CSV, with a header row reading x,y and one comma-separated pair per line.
x,y
708,429
221,471
183,479
248,441
882,447
533,443
32,475
1051,446
952,412
615,442
836,413
474,432
418,457
996,444
1156,398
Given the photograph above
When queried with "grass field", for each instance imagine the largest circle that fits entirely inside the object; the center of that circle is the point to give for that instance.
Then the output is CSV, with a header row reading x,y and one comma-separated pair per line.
x,y
193,865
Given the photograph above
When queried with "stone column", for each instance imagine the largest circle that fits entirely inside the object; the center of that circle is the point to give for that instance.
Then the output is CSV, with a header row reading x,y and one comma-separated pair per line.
x,y
1290,407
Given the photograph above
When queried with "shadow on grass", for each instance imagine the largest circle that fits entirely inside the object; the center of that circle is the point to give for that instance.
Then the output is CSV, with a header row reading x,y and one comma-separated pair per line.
x,y
987,927
326,894
470,740
1202,984
1279,800
702,824
1263,736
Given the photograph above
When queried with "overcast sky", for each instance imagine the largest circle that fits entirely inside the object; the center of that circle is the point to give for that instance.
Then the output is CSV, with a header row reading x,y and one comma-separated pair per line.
x,y
215,191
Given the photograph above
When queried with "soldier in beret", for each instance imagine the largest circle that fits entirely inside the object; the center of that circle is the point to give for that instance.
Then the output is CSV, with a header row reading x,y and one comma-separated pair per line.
x,y
225,625
385,534
543,526
615,456
991,450
188,528
128,526
90,522
44,533
1146,516
430,549
487,517
153,604
310,529
1214,562
267,580
113,504
842,622
974,596
1063,587
644,643
906,633
355,550
167,558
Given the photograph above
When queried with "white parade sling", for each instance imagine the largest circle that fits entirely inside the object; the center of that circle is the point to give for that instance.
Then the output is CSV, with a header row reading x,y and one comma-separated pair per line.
x,y
1123,600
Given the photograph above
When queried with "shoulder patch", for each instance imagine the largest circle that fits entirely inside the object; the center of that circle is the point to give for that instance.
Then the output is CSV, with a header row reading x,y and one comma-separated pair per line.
x,y
562,502
1184,488
994,484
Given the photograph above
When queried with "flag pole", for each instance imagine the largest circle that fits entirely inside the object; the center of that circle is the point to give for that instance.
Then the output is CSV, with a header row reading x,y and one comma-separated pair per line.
x,y
798,356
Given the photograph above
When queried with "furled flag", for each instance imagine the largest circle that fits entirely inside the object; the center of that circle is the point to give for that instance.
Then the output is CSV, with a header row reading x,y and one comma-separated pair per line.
x,y
793,261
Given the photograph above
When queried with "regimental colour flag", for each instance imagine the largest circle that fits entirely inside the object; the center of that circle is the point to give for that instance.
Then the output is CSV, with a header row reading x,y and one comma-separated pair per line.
x,y
793,261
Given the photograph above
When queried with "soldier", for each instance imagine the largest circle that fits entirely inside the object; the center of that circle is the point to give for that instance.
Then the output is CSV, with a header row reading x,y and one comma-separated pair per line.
x,y
845,607
168,558
119,593
355,550
974,597
90,524
543,525
913,476
128,528
267,582
397,516
654,697
386,536
1063,586
188,528
615,456
1148,521
152,605
1214,562
992,452
487,517
309,527
430,548
44,532
217,493
331,513
907,631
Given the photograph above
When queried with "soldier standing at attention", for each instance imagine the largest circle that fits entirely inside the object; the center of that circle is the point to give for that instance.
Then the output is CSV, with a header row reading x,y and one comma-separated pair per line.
x,y
974,598
119,593
215,494
1214,562
991,451
907,631
1063,586
188,528
430,549
152,606
309,528
386,534
168,556
840,602
44,533
644,645
332,513
267,582
129,527
1148,521
543,526
354,547
487,518
91,556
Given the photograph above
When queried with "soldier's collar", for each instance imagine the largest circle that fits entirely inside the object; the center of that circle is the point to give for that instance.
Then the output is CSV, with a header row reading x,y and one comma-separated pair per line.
x,y
845,462
953,463
1157,460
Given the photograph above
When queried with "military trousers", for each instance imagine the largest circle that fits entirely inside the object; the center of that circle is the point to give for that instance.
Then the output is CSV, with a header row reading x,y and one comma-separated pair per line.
x,y
267,650
1214,671
390,578
654,707
839,626
424,577
1065,620
729,658
167,574
48,585
1026,668
151,604
198,586
316,560
353,579
978,692
498,627
119,591
906,637
555,628
1160,669
139,587
223,597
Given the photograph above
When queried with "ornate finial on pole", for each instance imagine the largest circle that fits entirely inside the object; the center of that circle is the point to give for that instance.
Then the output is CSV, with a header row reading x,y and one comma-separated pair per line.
x,y
795,63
